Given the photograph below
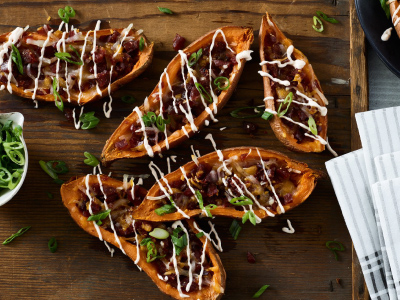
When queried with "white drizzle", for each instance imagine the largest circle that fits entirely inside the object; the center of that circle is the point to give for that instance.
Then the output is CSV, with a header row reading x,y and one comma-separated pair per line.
x,y
283,82
40,63
137,246
203,258
77,124
218,245
245,54
107,112
97,28
219,153
81,68
90,207
396,16
290,229
387,33
297,64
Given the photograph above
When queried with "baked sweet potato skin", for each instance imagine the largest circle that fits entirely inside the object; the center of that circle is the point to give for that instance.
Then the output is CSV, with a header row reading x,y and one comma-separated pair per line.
x,y
145,58
70,193
280,130
393,6
146,210
242,36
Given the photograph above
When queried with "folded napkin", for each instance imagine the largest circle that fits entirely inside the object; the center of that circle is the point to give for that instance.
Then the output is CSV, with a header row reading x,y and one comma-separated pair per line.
x,y
388,165
378,138
351,185
387,199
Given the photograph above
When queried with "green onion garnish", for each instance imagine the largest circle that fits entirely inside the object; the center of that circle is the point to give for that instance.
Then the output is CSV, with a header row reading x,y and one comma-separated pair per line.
x,y
151,118
16,58
235,229
88,120
236,112
222,83
385,8
45,168
66,13
100,216
316,21
334,249
15,235
57,98
166,209
141,43
194,58
203,92
312,125
260,291
199,234
242,200
57,166
52,244
151,249
179,242
90,160
159,233
165,10
288,100
66,56
128,99
267,115
208,207
249,215
326,18
59,181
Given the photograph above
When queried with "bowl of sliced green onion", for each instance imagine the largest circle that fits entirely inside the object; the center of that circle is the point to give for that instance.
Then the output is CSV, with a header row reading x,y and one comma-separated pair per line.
x,y
13,155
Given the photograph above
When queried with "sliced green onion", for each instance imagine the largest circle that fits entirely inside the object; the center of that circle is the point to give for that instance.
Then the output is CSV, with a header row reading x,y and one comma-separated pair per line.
x,y
67,56
90,160
288,100
166,209
249,215
235,229
260,291
145,241
15,179
179,242
13,145
15,235
17,131
159,233
16,58
194,58
201,204
326,18
334,249
242,200
222,83
66,13
5,175
52,244
7,125
57,166
88,120
128,99
165,10
236,112
316,21
47,170
203,92
312,125
149,119
59,181
199,234
100,216
141,43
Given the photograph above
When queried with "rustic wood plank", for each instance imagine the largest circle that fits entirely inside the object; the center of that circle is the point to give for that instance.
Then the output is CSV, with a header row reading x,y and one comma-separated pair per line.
x,y
296,266
359,103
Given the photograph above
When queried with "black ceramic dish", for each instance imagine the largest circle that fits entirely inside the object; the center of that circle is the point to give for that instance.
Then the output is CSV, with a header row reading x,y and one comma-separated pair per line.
x,y
374,22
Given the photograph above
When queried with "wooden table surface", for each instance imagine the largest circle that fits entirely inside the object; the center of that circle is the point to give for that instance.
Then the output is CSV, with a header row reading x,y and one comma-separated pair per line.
x,y
295,266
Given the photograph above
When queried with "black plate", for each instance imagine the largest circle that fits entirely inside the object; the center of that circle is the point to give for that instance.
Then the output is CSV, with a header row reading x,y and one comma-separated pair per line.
x,y
374,22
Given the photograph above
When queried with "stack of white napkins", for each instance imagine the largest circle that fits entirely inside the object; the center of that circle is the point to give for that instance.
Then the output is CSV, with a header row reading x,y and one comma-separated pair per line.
x,y
367,185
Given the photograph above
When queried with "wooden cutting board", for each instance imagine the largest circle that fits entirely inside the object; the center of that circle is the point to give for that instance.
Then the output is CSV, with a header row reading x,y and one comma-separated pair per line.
x,y
297,266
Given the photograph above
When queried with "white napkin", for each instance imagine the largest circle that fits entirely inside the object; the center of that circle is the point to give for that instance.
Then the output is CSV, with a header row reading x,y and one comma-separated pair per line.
x,y
387,198
388,165
378,138
348,175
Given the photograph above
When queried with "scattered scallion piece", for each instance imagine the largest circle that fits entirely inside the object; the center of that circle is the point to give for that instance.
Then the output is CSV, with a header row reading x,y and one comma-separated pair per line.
x,y
151,249
151,118
334,249
16,58
288,100
203,92
179,242
15,235
235,229
249,215
66,13
261,291
312,125
67,56
128,99
385,8
267,115
88,120
141,44
57,98
166,209
57,166
242,200
90,160
208,207
236,112
45,168
100,216
159,233
222,83
199,234
194,58
326,18
165,10
316,22
52,244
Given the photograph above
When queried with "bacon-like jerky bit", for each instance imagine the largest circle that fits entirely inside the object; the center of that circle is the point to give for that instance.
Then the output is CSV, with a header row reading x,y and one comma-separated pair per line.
x,y
179,42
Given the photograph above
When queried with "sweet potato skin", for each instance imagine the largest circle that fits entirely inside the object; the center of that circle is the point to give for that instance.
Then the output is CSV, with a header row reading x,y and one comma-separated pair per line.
x,y
145,59
70,192
393,6
267,26
308,182
243,36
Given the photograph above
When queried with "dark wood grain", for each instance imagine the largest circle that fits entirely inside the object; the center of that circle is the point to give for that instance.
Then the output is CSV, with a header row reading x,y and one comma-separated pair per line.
x,y
359,103
295,266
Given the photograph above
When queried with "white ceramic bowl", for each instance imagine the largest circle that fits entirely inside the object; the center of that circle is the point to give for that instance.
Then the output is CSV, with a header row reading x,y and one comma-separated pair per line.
x,y
18,119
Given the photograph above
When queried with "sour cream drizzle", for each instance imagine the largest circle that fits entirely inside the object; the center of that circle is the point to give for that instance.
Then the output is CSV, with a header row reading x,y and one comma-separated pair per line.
x,y
283,82
203,258
297,64
90,206
77,124
192,190
137,246
290,229
81,68
107,112
175,262
97,28
218,245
